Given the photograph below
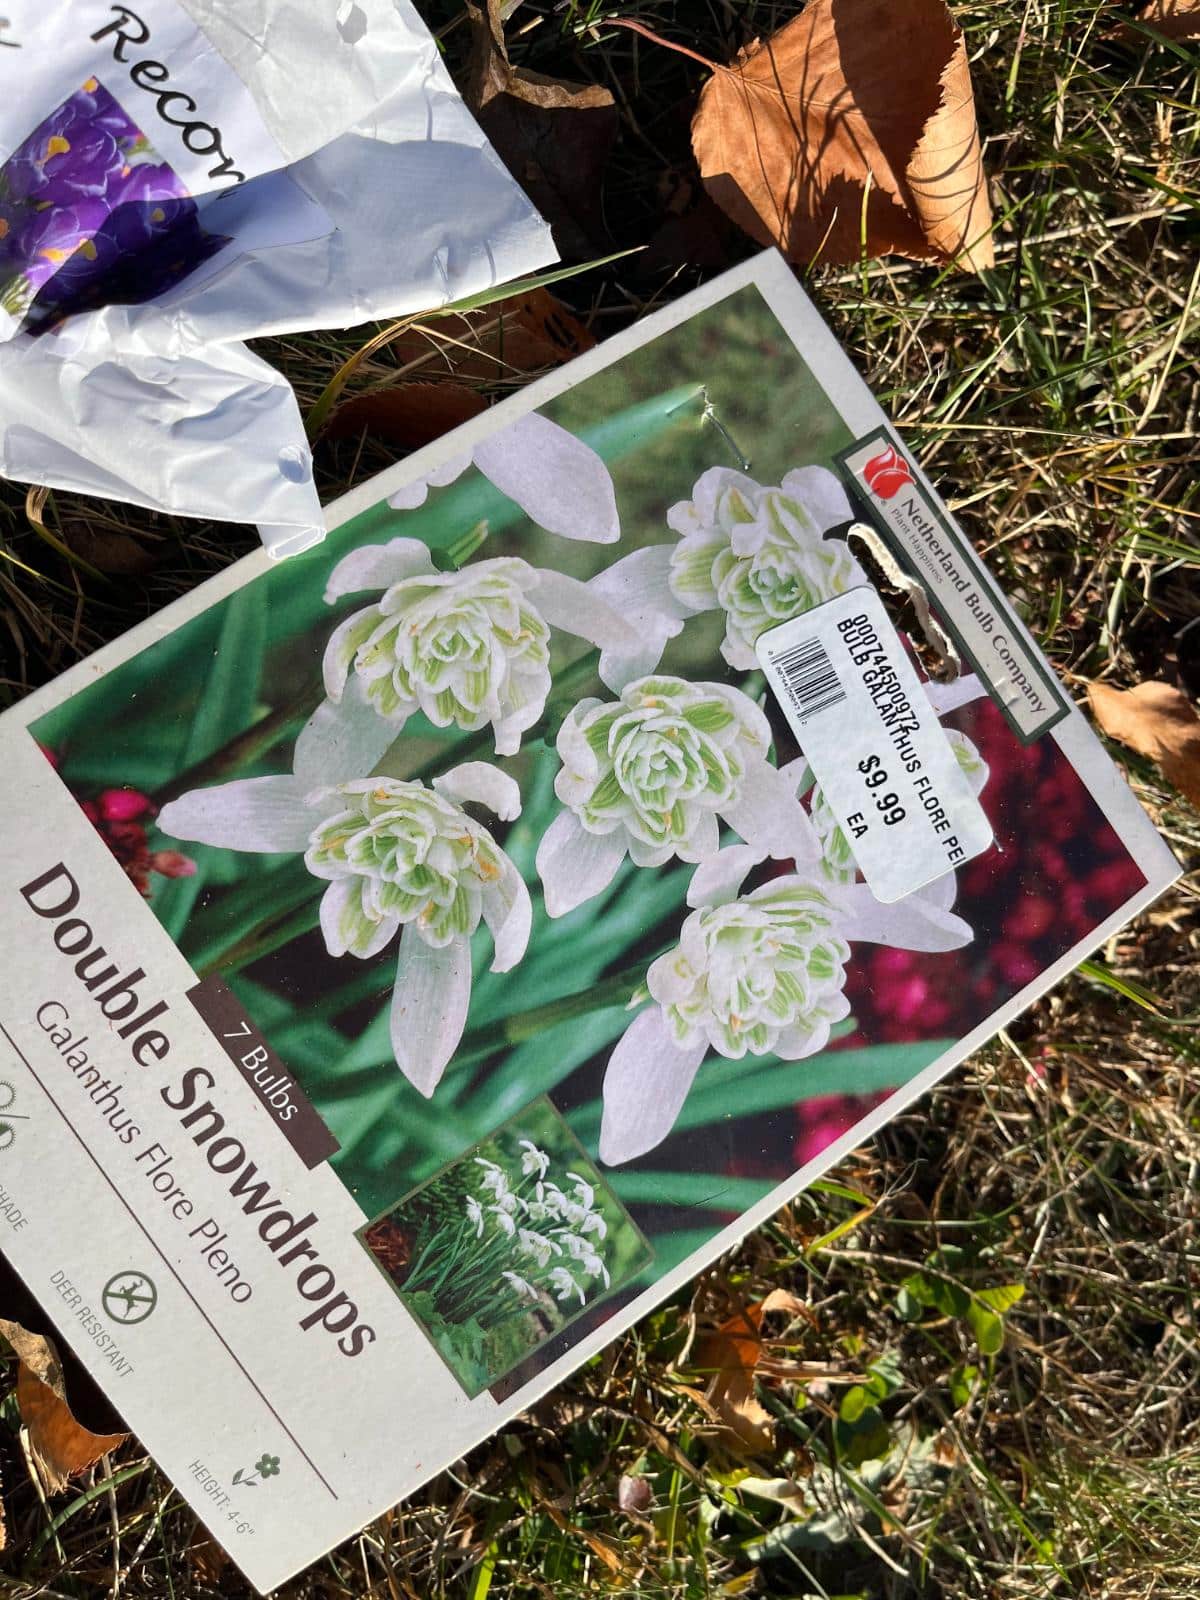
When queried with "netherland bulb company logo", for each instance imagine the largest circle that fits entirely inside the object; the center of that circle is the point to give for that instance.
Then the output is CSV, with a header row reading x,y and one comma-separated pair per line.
x,y
887,473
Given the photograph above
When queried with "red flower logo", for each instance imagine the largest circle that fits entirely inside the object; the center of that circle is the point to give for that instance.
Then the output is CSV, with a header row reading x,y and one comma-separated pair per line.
x,y
887,473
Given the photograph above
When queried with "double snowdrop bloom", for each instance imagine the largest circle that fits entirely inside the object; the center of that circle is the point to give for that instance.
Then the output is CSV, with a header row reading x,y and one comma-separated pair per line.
x,y
760,553
468,648
760,974
651,774
755,552
396,857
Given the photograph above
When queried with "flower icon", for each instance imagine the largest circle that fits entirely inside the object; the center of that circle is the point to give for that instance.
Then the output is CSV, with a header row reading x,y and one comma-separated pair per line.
x,y
267,1466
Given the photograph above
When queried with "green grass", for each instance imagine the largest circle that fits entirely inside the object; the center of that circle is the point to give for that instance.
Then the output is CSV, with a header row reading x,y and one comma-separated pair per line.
x,y
1056,401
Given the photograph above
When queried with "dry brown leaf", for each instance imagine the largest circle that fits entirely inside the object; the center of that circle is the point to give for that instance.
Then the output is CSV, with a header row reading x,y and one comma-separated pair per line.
x,y
1156,720
732,1355
110,549
521,334
852,128
407,414
553,136
1175,19
59,1445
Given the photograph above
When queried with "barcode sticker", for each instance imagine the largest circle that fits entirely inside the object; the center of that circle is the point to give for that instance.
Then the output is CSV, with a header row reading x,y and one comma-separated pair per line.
x,y
809,677
883,761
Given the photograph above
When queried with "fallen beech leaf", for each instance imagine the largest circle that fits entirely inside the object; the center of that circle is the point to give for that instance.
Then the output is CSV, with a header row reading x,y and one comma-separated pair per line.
x,y
1174,19
733,1354
109,549
852,128
406,414
553,136
59,1445
1156,720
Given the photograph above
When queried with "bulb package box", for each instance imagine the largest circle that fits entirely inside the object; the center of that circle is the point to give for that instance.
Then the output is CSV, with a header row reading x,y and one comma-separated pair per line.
x,y
426,954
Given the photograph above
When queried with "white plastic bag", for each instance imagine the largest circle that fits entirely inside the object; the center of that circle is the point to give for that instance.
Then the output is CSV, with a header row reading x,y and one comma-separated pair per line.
x,y
176,177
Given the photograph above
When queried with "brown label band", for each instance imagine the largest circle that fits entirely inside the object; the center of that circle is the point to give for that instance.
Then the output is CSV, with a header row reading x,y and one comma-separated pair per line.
x,y
288,1106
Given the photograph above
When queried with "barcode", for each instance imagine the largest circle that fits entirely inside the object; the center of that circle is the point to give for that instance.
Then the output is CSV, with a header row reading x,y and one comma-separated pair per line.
x,y
808,676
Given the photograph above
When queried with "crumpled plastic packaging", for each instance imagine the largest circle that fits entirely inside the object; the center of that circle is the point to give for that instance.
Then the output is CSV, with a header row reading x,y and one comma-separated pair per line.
x,y
177,176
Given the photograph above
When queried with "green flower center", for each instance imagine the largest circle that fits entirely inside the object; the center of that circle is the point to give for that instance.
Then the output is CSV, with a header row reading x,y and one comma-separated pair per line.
x,y
417,858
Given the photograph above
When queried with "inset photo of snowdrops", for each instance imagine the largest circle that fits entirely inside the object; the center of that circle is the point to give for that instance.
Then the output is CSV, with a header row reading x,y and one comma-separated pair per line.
x,y
507,1246
484,801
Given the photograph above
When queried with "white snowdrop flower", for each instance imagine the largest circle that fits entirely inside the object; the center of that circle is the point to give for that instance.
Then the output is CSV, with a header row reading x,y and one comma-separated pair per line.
x,y
759,553
760,974
537,1246
594,1223
397,858
533,1160
469,648
475,1215
565,1284
584,1192
522,1286
652,774
756,552
494,1180
593,1266
503,1220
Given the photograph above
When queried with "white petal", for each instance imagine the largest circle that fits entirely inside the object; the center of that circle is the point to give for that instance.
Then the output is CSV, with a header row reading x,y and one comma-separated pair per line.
x,y
797,1042
263,814
941,892
413,494
377,566
508,912
340,651
581,609
738,653
342,741
575,865
648,855
821,494
429,1007
484,784
717,881
918,922
947,697
558,481
341,896
768,816
508,730
641,582
703,840
645,1086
